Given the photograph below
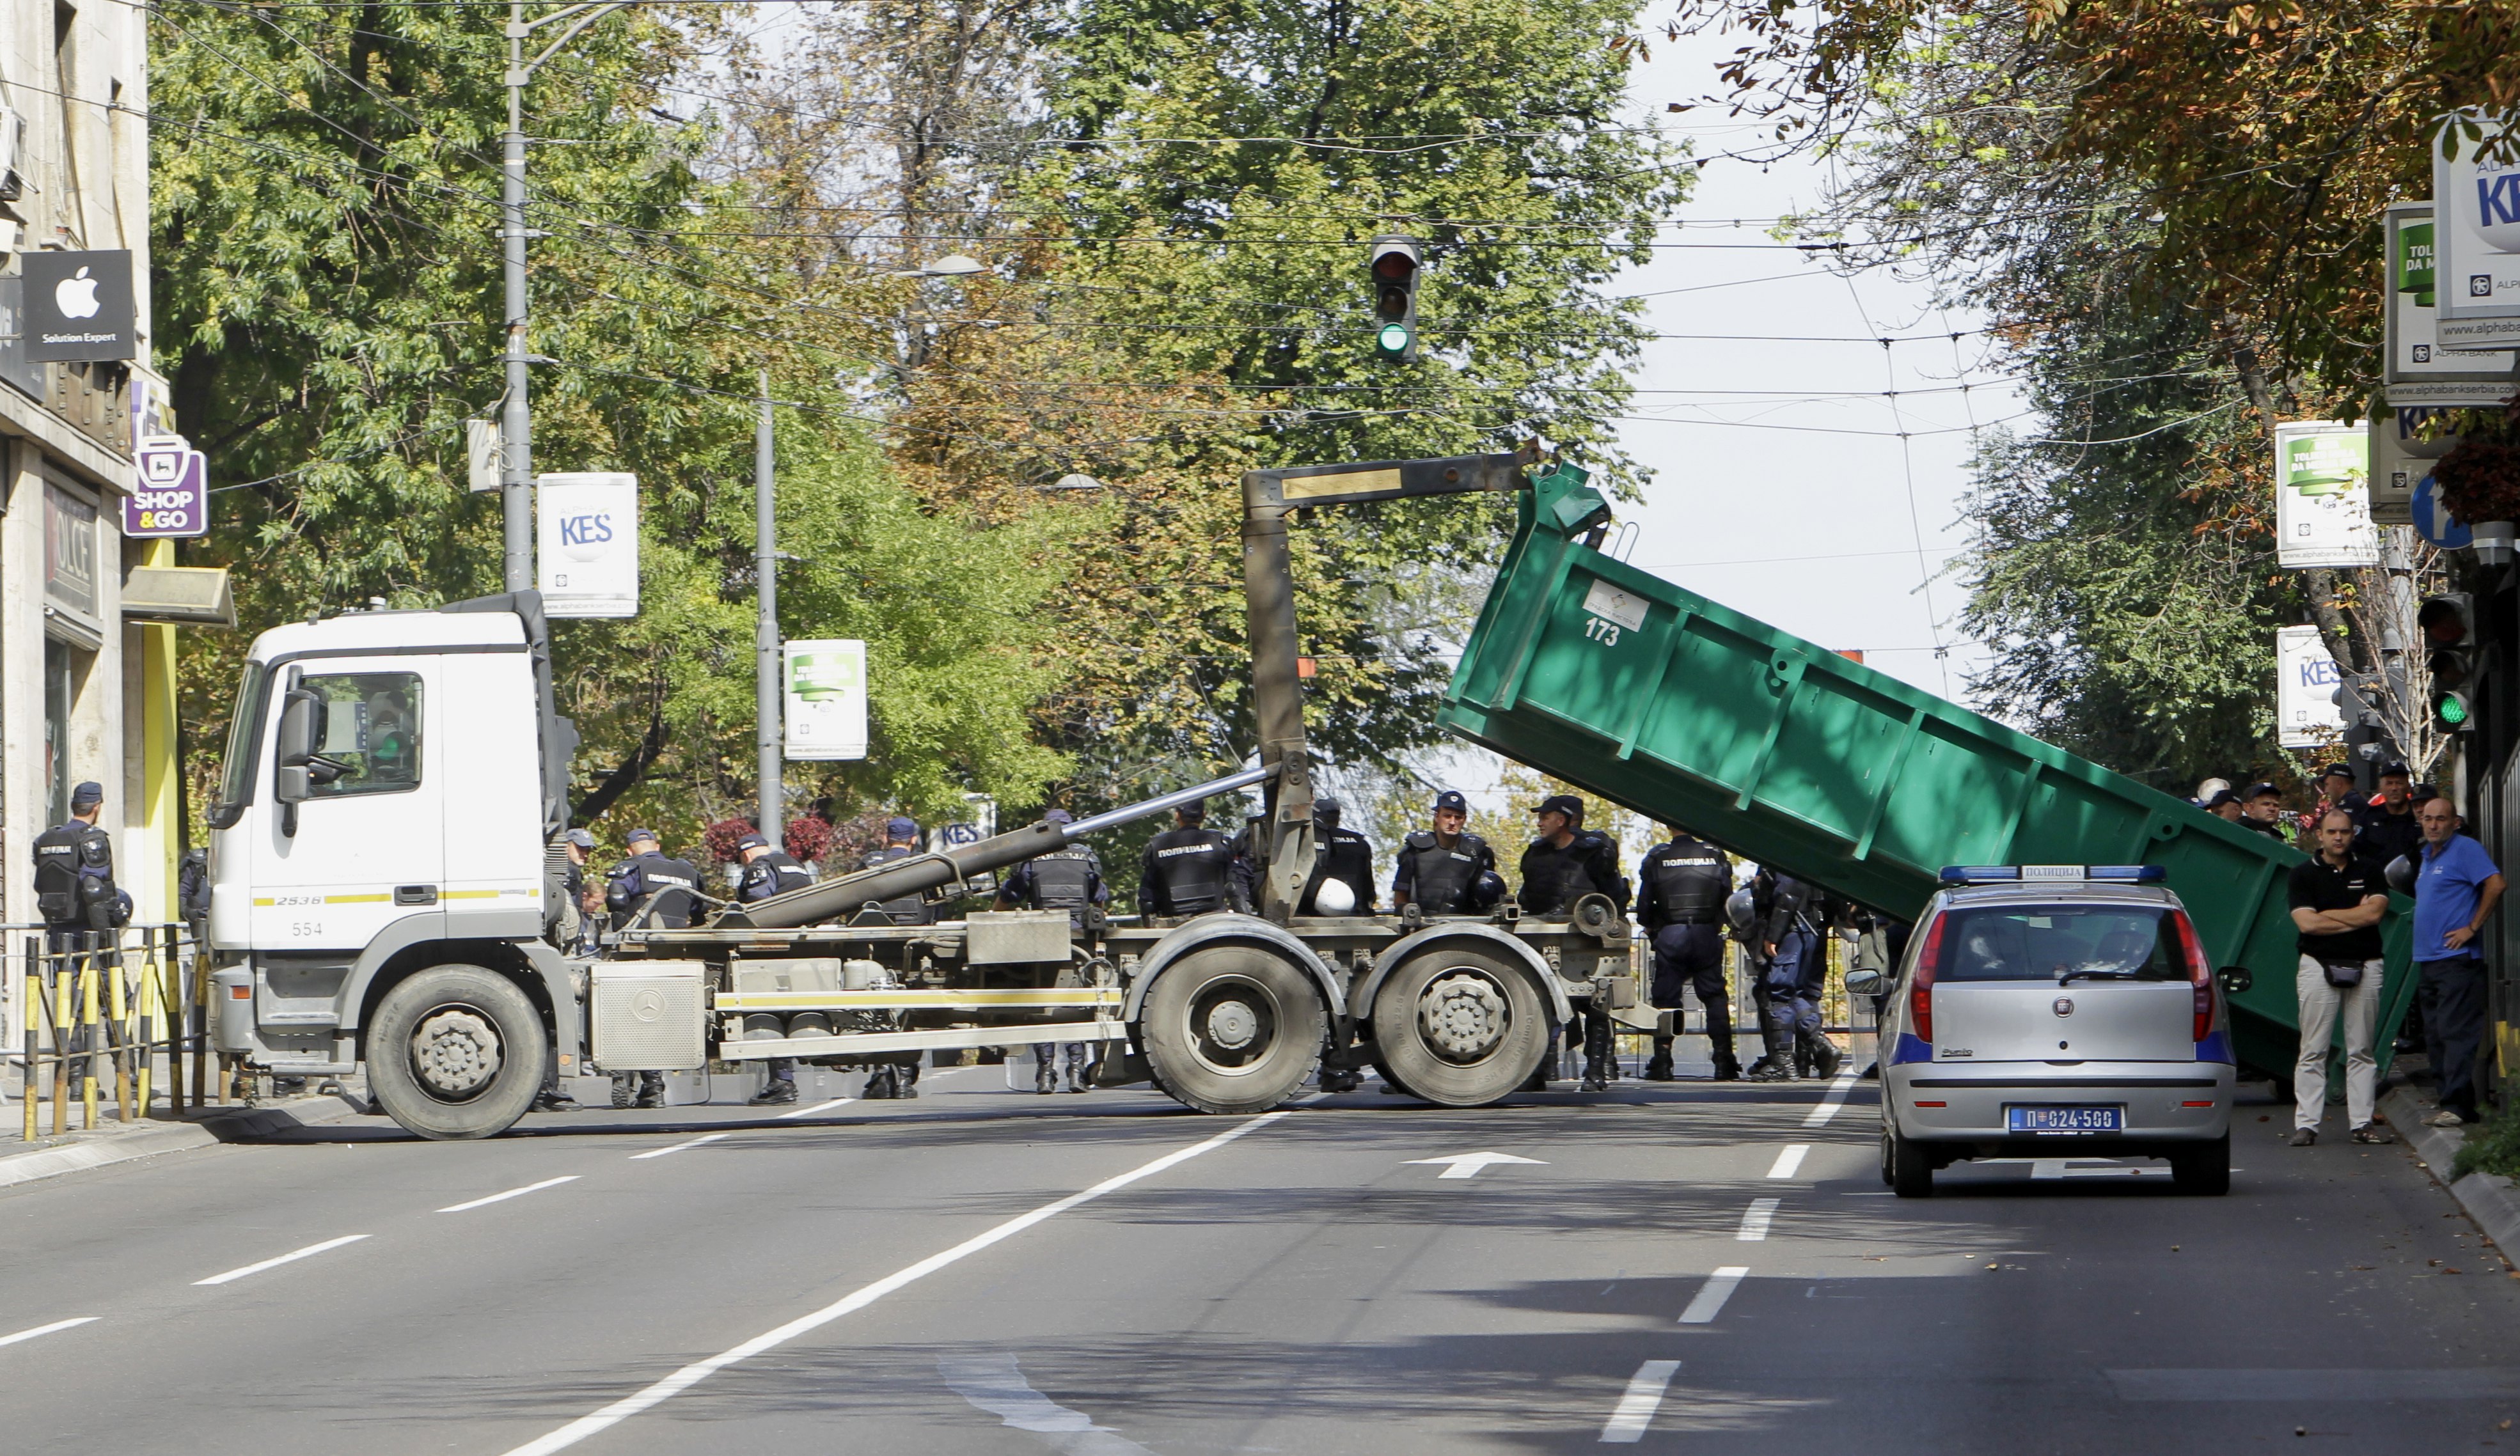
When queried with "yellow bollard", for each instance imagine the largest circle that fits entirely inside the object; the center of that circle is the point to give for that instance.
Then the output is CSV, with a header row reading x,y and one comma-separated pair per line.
x,y
200,1028
61,1004
29,1006
117,1036
88,1043
147,1045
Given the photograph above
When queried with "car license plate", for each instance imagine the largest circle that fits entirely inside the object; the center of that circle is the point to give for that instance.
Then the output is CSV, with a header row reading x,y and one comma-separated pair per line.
x,y
2066,1118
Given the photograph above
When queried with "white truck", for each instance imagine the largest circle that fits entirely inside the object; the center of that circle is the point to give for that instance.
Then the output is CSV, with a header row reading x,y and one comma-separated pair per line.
x,y
384,866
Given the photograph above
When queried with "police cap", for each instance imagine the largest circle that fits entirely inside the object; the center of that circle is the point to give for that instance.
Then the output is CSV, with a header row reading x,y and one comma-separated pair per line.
x,y
753,841
2396,771
87,793
1565,804
648,835
2335,770
579,838
1453,800
899,827
1324,804
1059,816
2260,791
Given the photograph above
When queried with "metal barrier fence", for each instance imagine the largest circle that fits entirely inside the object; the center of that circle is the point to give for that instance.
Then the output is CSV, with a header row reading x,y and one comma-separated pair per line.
x,y
99,1015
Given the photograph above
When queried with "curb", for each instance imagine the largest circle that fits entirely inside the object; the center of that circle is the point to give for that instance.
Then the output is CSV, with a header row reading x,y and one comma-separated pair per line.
x,y
244,1124
2489,1200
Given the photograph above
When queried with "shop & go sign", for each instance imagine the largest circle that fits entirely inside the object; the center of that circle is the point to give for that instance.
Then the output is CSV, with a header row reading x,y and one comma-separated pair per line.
x,y
170,495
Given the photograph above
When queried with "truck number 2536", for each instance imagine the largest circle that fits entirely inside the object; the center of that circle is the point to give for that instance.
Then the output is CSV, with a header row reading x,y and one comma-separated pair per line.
x,y
1605,633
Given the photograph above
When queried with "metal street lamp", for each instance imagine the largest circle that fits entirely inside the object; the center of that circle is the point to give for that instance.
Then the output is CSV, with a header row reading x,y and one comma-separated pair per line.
x,y
952,265
515,418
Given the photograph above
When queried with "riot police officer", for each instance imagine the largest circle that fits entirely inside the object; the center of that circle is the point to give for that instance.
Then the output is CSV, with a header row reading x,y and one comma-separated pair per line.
x,y
1446,870
666,889
74,889
1066,879
1342,855
1565,863
1187,869
1681,887
900,842
769,871
1797,965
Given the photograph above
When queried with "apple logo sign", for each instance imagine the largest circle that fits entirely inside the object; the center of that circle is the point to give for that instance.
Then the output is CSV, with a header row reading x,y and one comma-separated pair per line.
x,y
75,296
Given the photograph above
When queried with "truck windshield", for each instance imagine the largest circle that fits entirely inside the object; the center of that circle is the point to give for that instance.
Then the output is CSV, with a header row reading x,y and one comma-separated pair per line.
x,y
244,731
2041,942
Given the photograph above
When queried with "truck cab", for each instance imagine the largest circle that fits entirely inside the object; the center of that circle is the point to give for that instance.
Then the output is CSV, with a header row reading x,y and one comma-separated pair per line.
x,y
378,890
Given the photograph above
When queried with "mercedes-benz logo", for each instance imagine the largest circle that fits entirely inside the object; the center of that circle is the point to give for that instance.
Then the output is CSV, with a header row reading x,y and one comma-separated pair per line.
x,y
2064,1005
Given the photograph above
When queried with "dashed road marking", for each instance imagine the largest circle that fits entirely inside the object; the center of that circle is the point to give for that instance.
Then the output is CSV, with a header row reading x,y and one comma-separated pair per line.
x,y
39,1331
290,1257
807,1112
996,1384
1627,1424
1838,1091
1711,1295
678,1147
511,1192
1790,1160
1755,1218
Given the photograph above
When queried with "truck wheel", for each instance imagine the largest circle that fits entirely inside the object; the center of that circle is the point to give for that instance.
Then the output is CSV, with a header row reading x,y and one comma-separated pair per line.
x,y
1462,1027
457,1051
2204,1169
1912,1173
1232,1028
1392,1080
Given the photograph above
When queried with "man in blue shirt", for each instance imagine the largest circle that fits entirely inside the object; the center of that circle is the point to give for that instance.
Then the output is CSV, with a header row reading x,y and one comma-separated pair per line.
x,y
2455,888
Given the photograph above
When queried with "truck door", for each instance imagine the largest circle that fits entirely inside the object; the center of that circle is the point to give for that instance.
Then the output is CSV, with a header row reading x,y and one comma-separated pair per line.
x,y
368,847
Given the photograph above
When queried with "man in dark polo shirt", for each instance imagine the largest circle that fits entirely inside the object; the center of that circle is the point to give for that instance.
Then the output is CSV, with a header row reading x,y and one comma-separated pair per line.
x,y
2337,900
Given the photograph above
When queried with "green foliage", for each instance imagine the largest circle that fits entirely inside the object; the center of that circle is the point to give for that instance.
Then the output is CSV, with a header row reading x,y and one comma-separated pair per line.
x,y
328,309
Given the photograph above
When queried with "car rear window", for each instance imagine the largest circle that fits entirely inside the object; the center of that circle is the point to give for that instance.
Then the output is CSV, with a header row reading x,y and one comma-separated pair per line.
x,y
2041,942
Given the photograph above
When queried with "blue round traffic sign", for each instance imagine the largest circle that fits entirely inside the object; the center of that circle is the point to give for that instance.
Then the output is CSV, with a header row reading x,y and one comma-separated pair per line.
x,y
2433,521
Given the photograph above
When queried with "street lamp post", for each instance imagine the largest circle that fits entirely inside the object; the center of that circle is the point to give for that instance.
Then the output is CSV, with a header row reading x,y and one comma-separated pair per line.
x,y
516,417
767,698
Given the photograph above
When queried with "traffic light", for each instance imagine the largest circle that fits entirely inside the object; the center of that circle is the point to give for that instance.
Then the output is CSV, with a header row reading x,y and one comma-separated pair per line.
x,y
2449,657
1395,297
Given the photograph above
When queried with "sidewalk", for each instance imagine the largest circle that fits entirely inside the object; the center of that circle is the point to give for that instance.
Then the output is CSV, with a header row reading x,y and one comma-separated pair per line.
x,y
2489,1198
116,1142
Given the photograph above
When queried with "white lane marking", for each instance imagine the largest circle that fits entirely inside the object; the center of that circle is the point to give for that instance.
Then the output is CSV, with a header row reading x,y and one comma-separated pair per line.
x,y
699,1370
678,1147
511,1192
1468,1165
996,1384
1791,1161
1754,1220
1627,1425
1717,1288
807,1112
39,1331
290,1257
1838,1091
2047,1167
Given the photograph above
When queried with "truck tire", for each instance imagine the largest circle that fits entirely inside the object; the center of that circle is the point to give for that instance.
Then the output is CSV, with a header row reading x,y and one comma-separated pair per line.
x,y
1462,1027
457,1051
2205,1169
1232,1029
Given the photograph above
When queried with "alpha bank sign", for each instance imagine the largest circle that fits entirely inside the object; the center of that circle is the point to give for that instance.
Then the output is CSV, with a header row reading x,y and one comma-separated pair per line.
x,y
78,306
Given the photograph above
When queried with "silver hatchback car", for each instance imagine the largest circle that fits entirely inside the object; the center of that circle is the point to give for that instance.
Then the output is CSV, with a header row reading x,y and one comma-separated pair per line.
x,y
2046,1011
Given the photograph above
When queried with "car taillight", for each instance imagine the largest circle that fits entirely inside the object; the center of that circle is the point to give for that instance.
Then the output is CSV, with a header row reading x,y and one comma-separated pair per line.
x,y
1920,985
2200,975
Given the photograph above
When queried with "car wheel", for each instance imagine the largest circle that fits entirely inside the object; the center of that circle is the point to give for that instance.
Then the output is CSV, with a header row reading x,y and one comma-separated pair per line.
x,y
1912,1173
1886,1135
2204,1169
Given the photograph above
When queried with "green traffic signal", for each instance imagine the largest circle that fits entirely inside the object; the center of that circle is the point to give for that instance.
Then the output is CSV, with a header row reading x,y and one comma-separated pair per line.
x,y
1394,340
2452,710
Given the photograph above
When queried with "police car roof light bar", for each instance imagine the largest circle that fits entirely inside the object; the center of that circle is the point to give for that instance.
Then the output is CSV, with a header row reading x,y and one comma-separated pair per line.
x,y
1995,874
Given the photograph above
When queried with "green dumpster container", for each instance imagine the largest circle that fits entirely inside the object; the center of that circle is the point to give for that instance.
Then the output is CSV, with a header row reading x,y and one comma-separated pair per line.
x,y
1686,711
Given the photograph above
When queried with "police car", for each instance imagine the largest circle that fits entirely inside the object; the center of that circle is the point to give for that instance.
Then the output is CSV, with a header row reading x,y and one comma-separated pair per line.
x,y
2053,1011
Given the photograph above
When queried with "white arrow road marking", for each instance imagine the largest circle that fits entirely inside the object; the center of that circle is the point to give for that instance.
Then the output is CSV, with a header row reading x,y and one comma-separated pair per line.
x,y
40,1331
1711,1295
691,1375
1754,1220
1791,1161
1468,1165
1627,1425
286,1258
481,1203
1838,1091
996,1384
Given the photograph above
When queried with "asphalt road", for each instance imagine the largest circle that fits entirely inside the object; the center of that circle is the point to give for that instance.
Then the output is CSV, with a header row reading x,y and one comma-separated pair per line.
x,y
1690,1267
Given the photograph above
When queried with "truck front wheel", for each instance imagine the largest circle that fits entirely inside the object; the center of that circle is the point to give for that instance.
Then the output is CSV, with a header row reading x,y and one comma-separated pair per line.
x,y
457,1051
1461,1028
1232,1028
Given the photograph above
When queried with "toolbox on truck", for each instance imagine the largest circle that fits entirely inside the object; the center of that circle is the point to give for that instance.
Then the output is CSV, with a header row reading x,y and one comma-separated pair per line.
x,y
1681,709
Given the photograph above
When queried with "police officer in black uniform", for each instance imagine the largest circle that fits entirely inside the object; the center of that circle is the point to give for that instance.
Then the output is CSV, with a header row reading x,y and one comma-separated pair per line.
x,y
1565,863
1342,855
769,871
1066,879
900,842
1188,868
1681,887
1446,870
74,889
666,887
1797,965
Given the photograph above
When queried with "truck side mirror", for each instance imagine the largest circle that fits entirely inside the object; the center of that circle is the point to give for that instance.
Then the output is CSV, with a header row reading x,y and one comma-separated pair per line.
x,y
292,784
301,727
